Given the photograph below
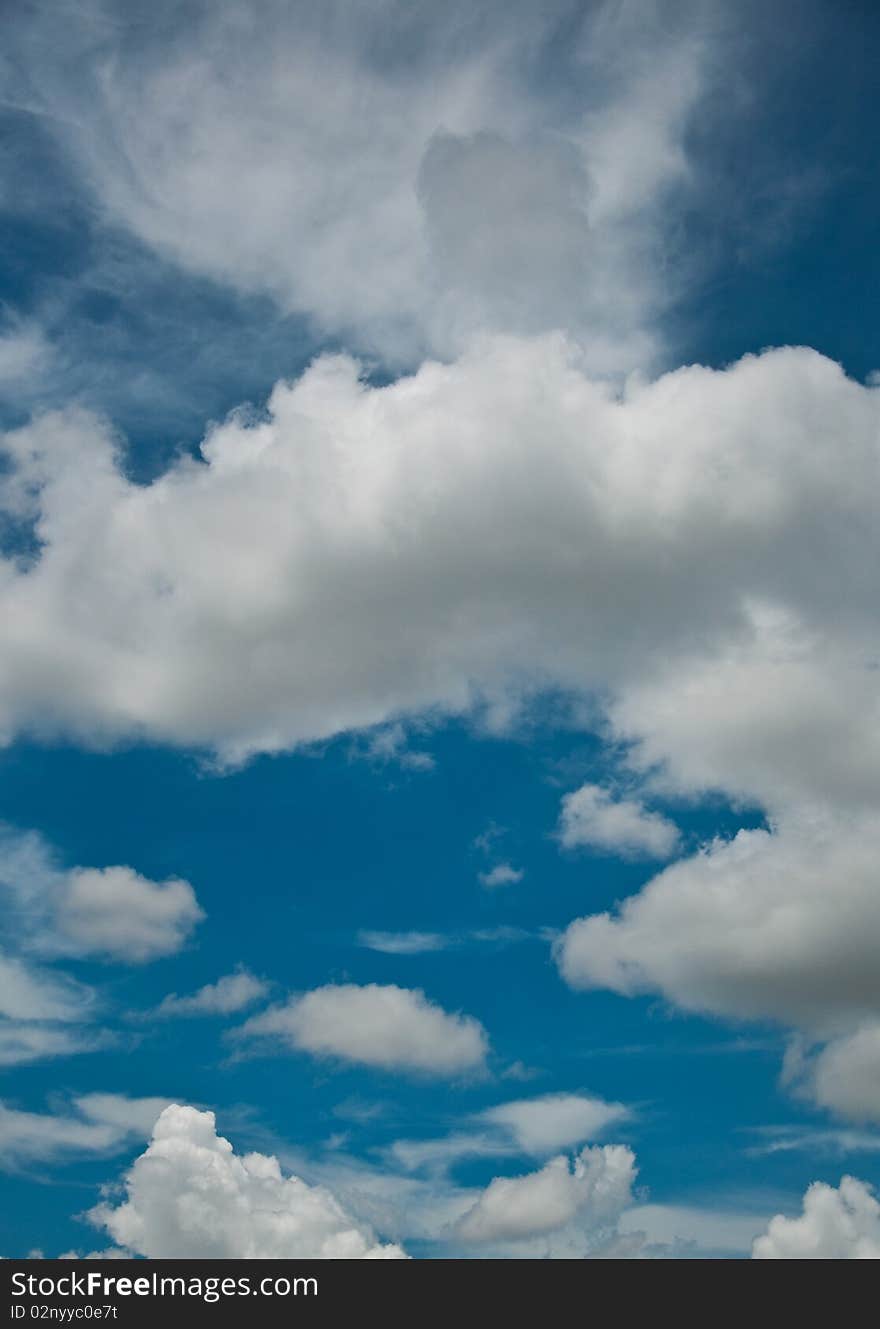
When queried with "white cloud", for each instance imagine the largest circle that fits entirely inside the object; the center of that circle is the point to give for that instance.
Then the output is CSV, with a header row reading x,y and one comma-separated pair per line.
x,y
232,992
42,1014
25,1136
844,1076
781,924
383,1026
403,943
555,1121
683,545
593,818
502,874
390,743
190,1196
30,993
101,1123
537,1126
113,913
840,1223
402,202
22,1041
593,1189
118,913
25,355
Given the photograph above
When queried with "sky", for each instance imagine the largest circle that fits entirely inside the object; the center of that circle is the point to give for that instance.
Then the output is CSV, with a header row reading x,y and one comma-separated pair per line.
x,y
439,723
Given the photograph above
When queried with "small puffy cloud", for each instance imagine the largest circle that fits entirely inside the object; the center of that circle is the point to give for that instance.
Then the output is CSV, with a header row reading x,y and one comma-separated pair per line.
x,y
117,913
686,540
503,874
592,818
841,1223
112,913
390,744
420,943
392,208
190,1196
98,1124
403,943
594,1188
555,1121
25,1136
232,992
781,924
388,1027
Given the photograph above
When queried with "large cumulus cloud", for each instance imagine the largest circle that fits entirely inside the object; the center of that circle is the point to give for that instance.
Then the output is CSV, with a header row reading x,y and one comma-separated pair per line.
x,y
190,1196
496,524
836,1223
378,1025
582,1198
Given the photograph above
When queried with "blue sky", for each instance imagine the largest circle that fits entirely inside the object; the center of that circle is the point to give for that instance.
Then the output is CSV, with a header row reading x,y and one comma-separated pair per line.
x,y
368,529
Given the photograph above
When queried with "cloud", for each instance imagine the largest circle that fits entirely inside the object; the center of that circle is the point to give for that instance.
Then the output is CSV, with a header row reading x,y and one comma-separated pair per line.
x,y
359,581
843,1077
390,743
503,874
421,943
537,1126
593,1189
781,924
131,1115
23,1041
99,1124
120,914
403,183
841,1223
113,913
232,992
190,1196
593,818
387,1027
555,1121
403,943
42,1014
